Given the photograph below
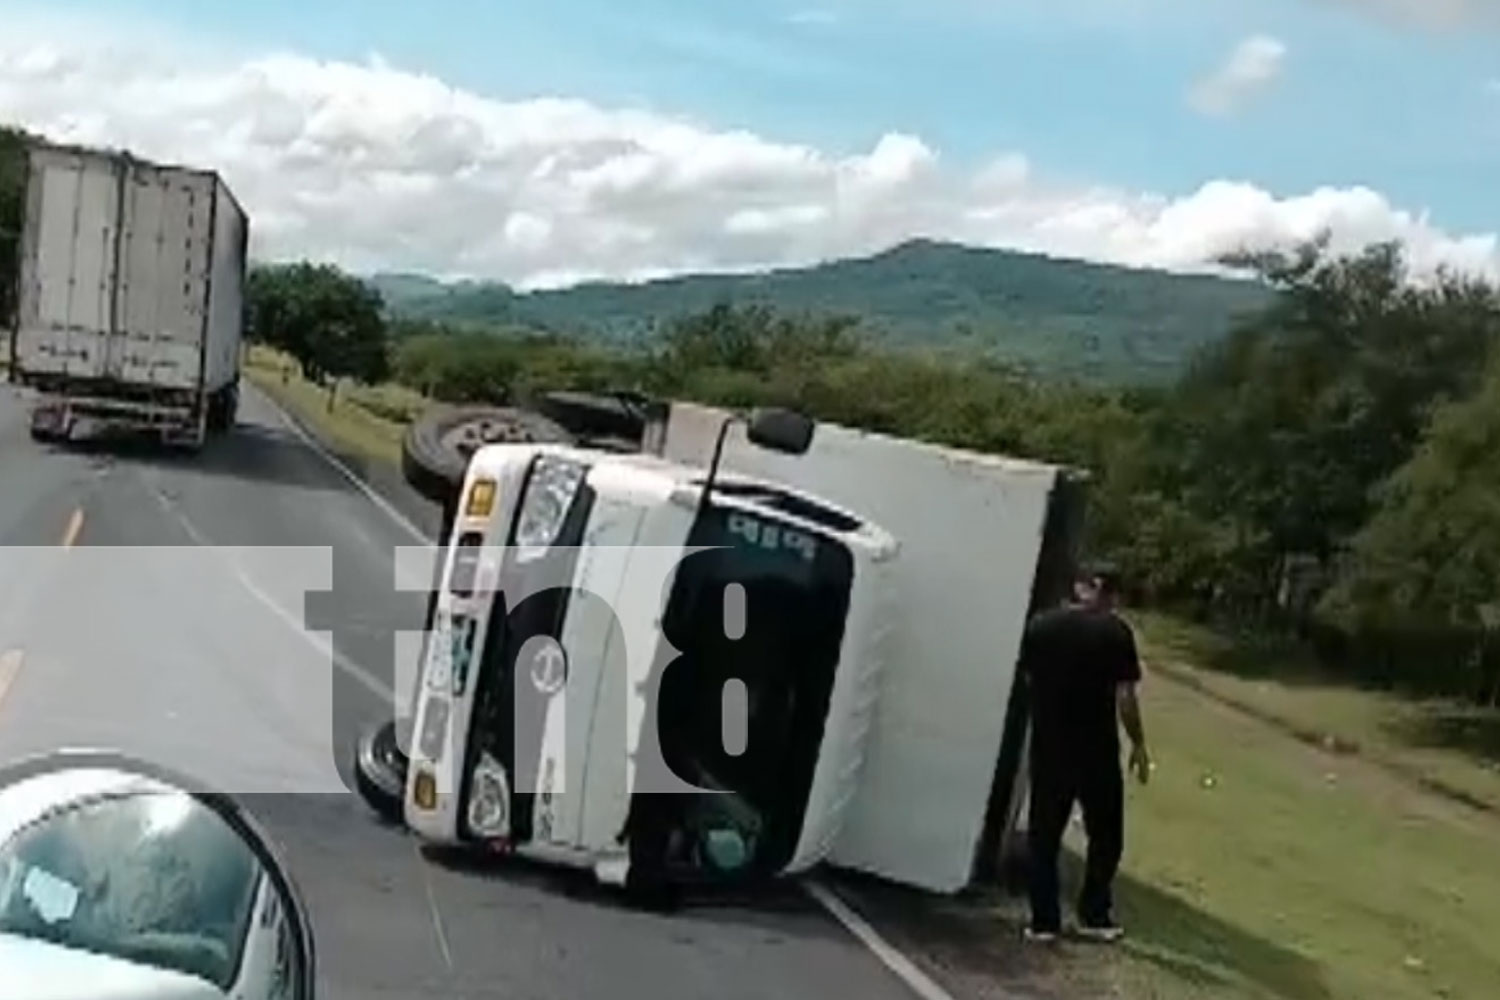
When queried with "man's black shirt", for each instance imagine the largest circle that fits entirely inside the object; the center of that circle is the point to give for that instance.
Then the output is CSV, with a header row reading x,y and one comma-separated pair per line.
x,y
1074,659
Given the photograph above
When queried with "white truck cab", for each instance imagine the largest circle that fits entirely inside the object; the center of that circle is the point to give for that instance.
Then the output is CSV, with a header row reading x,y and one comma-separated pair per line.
x,y
594,607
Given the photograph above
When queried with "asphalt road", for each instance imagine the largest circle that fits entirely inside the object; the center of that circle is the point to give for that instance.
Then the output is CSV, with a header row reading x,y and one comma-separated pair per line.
x,y
159,605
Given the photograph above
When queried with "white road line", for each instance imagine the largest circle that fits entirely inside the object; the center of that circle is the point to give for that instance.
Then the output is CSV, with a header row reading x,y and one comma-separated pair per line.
x,y
905,969
437,917
401,520
369,681
75,528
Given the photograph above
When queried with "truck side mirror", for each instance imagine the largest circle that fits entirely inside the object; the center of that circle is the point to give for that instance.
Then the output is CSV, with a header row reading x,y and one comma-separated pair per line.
x,y
777,429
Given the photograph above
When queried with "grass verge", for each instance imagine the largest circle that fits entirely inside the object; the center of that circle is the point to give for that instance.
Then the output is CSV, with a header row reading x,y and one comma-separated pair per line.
x,y
1448,747
350,424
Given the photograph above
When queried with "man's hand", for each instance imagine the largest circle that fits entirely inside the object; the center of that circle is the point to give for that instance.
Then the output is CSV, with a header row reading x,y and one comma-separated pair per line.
x,y
1140,763
1130,718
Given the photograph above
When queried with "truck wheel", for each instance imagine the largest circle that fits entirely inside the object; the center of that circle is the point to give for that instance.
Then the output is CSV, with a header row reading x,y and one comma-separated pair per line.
x,y
593,416
229,408
436,451
380,771
214,421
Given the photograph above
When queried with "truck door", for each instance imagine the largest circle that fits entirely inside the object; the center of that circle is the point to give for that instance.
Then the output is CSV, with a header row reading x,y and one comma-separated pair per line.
x,y
164,259
68,269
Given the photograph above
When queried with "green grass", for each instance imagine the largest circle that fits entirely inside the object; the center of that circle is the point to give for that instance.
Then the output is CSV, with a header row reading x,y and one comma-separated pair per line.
x,y
349,425
391,402
1261,866
1447,746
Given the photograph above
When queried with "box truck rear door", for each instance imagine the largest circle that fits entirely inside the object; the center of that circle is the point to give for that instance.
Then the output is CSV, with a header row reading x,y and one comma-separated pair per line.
x,y
165,257
68,267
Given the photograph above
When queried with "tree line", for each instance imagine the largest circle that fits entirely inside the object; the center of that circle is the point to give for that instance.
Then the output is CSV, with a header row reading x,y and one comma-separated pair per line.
x,y
1332,467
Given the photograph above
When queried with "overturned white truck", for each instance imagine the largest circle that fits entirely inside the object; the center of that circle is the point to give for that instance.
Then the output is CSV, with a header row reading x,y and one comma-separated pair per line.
x,y
845,607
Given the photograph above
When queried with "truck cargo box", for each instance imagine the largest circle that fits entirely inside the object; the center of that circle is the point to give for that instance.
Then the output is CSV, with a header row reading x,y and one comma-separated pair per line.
x,y
131,278
983,540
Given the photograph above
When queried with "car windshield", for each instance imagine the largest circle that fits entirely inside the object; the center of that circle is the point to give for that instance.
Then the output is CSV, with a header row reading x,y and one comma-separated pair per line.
x,y
153,878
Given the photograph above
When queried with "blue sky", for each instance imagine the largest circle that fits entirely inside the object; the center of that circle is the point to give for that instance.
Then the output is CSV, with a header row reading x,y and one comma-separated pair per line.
x,y
1088,89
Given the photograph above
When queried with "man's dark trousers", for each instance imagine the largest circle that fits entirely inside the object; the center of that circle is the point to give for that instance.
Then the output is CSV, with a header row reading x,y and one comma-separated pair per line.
x,y
1095,782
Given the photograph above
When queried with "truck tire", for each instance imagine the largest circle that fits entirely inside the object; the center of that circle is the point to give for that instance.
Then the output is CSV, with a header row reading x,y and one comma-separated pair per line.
x,y
215,405
231,406
593,416
222,408
436,451
380,771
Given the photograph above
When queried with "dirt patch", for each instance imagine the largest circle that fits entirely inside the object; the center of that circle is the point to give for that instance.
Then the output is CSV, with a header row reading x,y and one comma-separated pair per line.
x,y
972,944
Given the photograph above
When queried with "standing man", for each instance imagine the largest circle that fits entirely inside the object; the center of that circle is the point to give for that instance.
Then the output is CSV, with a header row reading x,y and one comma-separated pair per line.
x,y
1082,669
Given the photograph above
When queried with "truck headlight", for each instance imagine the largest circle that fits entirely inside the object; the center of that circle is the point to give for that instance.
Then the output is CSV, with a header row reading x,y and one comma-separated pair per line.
x,y
549,494
489,799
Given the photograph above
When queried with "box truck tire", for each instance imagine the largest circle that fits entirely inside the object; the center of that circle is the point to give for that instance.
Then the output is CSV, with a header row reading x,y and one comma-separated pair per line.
x,y
223,407
594,416
436,451
380,771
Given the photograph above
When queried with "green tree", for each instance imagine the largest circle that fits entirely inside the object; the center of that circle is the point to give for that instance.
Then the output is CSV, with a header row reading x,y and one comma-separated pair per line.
x,y
754,338
13,171
1431,551
329,321
1280,432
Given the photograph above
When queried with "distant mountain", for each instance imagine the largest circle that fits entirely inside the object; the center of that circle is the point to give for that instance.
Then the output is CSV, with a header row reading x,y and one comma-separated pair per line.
x,y
1059,317
399,288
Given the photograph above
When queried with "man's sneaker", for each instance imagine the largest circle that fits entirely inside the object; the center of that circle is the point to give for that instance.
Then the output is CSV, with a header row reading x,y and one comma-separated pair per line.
x,y
1036,936
1107,932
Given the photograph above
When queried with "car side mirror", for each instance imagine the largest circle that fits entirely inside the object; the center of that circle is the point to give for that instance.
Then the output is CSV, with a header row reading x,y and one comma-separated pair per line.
x,y
84,836
782,430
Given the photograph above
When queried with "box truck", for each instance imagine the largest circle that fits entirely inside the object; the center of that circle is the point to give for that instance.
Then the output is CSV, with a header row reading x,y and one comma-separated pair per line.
x,y
130,306
882,585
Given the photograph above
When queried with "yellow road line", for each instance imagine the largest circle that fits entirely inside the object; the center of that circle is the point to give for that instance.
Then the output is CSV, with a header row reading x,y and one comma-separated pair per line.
x,y
75,527
10,666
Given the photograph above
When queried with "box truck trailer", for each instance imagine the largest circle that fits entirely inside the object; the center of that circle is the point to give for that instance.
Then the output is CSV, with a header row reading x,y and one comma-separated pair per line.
x,y
882,585
130,306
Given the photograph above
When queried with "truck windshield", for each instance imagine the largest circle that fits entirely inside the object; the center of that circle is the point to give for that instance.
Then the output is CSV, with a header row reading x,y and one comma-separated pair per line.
x,y
784,649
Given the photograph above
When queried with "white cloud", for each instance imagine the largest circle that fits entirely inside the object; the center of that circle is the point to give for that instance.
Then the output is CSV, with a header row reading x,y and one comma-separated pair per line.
x,y
1250,68
377,168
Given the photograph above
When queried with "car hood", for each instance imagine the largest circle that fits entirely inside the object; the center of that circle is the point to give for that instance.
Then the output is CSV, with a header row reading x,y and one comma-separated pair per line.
x,y
39,970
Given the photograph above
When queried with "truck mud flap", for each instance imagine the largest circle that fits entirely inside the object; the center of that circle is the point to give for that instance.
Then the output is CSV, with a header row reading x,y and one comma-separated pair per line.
x,y
49,422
